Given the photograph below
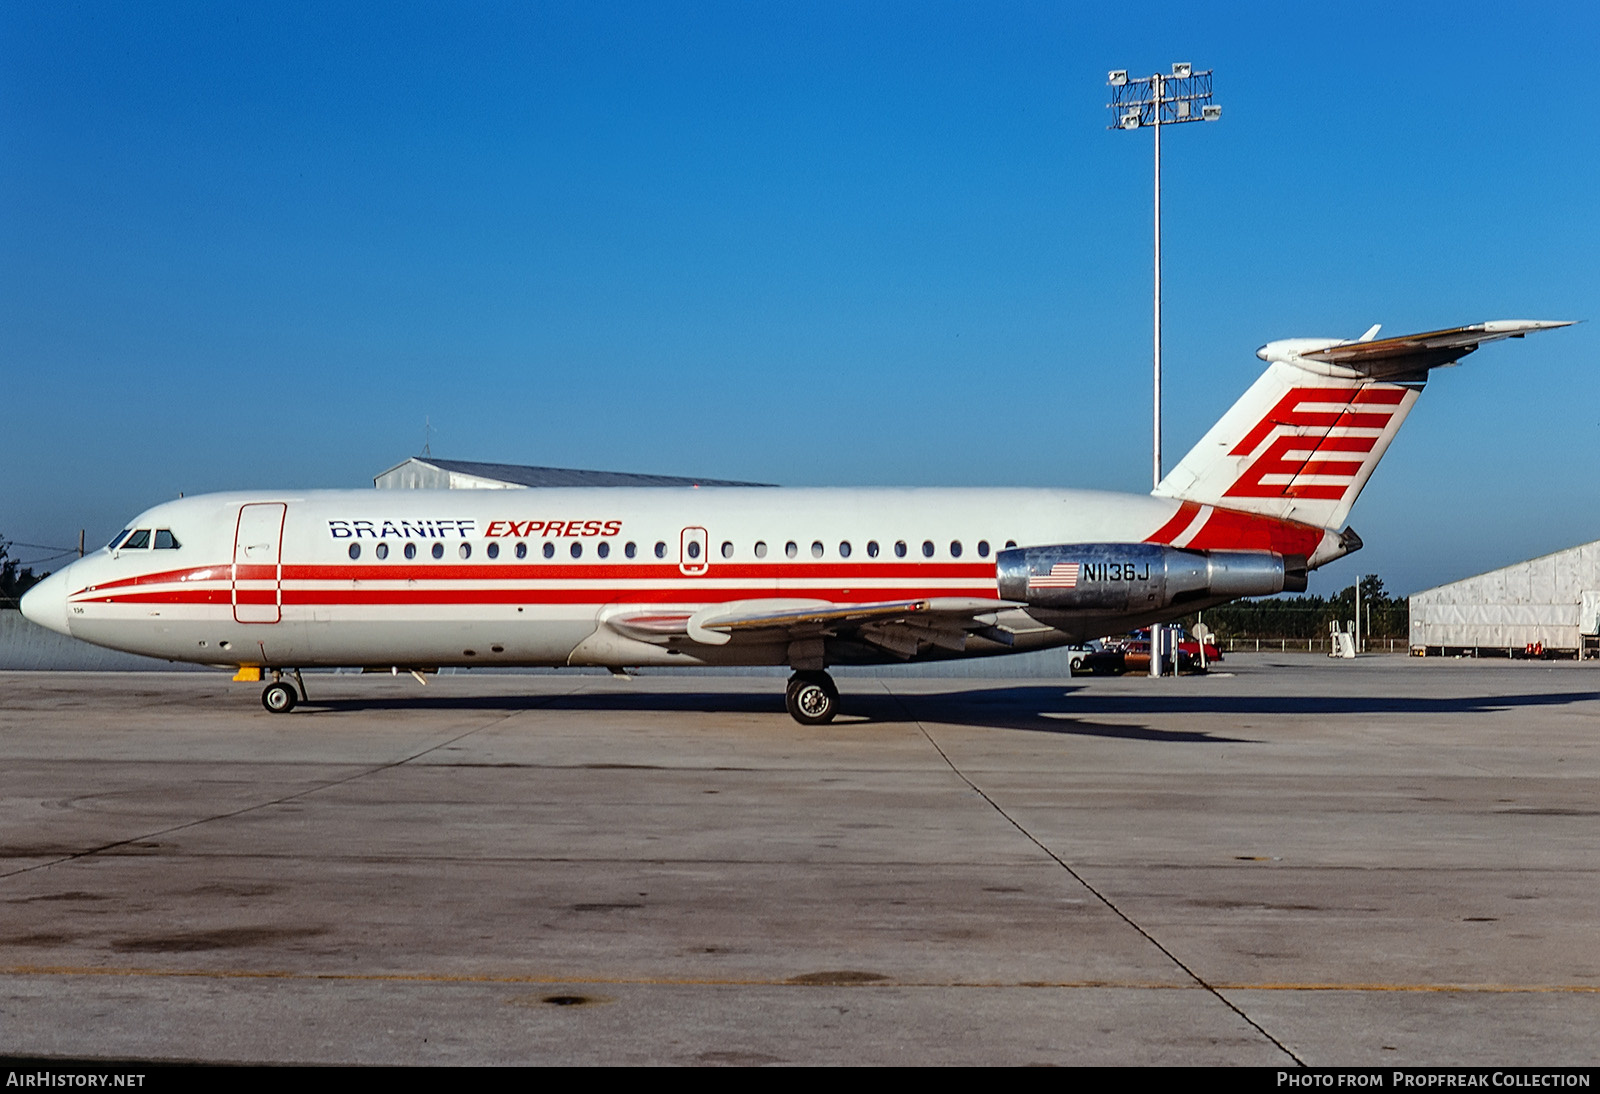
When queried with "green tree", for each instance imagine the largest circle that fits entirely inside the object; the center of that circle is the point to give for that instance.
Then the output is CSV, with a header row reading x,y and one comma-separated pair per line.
x,y
14,579
1301,617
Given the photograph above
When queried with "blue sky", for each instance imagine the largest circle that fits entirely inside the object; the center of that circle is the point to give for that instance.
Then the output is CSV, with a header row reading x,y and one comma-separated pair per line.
x,y
253,246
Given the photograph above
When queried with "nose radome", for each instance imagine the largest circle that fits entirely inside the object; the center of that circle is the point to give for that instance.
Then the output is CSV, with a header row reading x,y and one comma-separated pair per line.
x,y
46,603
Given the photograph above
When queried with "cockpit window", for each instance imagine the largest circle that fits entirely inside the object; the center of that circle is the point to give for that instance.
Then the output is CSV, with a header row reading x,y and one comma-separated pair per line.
x,y
138,541
117,539
166,541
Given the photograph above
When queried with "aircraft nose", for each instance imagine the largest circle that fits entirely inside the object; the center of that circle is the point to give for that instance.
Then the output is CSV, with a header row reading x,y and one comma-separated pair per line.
x,y
46,603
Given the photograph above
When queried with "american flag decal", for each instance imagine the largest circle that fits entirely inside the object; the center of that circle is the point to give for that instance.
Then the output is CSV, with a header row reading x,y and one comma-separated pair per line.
x,y
1063,575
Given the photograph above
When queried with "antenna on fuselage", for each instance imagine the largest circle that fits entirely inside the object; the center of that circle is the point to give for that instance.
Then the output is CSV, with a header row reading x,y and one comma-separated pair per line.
x,y
427,431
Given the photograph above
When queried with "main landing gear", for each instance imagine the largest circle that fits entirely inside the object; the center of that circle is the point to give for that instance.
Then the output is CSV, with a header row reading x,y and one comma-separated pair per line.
x,y
811,698
279,697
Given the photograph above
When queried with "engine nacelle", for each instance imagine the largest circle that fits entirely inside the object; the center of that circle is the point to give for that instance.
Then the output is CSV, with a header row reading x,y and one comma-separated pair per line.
x,y
1137,577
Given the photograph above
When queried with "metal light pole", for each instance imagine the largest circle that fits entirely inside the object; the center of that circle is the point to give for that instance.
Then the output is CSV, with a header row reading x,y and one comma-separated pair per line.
x,y
1358,613
1183,96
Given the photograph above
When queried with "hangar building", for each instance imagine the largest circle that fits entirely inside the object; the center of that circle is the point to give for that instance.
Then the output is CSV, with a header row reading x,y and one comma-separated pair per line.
x,y
1549,605
427,473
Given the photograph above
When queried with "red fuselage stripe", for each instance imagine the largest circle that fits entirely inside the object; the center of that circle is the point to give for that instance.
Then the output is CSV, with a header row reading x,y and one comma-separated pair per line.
x,y
550,570
680,595
1180,520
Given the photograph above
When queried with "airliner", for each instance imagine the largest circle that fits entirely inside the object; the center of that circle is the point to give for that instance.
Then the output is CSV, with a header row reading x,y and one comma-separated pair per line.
x,y
269,583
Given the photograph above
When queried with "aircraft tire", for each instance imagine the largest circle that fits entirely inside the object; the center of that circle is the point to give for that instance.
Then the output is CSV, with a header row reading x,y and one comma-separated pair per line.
x,y
812,698
278,698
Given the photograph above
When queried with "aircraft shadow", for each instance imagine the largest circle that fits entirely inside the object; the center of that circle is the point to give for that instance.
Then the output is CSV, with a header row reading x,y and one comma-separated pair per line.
x,y
1037,709
710,702
1034,709
1057,709
1051,708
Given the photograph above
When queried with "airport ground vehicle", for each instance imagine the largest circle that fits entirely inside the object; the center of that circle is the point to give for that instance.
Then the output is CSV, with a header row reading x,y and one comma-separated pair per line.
x,y
1133,655
271,582
1187,644
1078,651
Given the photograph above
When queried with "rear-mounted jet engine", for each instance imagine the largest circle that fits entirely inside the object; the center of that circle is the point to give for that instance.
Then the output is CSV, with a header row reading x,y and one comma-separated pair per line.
x,y
1139,577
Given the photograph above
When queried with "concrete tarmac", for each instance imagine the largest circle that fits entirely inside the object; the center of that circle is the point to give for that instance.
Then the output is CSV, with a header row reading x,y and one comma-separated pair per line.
x,y
1384,862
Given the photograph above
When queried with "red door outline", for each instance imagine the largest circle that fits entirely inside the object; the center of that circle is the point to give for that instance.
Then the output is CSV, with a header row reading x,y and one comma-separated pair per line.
x,y
258,543
694,554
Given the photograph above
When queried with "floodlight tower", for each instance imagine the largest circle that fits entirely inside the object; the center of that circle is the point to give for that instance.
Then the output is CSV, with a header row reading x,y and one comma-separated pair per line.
x,y
1182,96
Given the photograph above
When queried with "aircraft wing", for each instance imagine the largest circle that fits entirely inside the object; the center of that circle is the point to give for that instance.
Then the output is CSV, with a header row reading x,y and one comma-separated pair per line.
x,y
1386,358
902,627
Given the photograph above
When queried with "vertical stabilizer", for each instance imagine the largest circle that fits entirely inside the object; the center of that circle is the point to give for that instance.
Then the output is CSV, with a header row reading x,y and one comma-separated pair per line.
x,y
1297,446
1304,439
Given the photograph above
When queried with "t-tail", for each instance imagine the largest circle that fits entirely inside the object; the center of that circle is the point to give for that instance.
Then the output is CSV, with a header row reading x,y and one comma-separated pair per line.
x,y
1303,440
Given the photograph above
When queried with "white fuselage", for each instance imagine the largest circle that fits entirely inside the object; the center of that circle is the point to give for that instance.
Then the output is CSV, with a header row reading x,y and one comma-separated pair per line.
x,y
532,577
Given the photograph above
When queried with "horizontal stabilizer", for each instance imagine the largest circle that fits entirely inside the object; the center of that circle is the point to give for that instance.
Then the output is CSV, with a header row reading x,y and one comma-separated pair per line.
x,y
1403,357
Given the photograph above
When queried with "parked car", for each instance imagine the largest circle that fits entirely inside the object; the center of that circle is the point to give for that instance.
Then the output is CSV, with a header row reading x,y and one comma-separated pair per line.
x,y
1187,643
1080,650
1132,654
1109,661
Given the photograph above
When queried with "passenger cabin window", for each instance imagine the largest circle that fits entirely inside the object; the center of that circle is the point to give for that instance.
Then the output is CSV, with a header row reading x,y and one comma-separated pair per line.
x,y
661,549
631,549
411,550
493,550
166,541
549,549
927,548
522,550
355,550
816,549
138,541
983,548
899,548
955,548
438,550
577,550
465,550
761,549
844,549
727,550
382,550
790,549
872,548
603,549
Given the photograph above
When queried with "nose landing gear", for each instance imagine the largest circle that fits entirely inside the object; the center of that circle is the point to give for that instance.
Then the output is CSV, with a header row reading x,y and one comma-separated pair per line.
x,y
812,698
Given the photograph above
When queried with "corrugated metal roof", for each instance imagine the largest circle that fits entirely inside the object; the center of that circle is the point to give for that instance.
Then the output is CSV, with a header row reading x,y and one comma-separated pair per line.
x,y
523,475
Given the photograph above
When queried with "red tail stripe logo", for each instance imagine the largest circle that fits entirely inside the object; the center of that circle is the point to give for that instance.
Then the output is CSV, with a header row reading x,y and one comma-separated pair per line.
x,y
1288,412
1278,461
1294,456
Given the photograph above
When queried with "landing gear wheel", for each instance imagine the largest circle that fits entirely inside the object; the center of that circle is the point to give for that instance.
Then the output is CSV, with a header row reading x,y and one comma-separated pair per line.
x,y
278,698
811,698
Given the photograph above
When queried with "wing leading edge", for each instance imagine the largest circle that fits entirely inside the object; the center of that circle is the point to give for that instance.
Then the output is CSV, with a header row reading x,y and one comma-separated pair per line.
x,y
903,628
